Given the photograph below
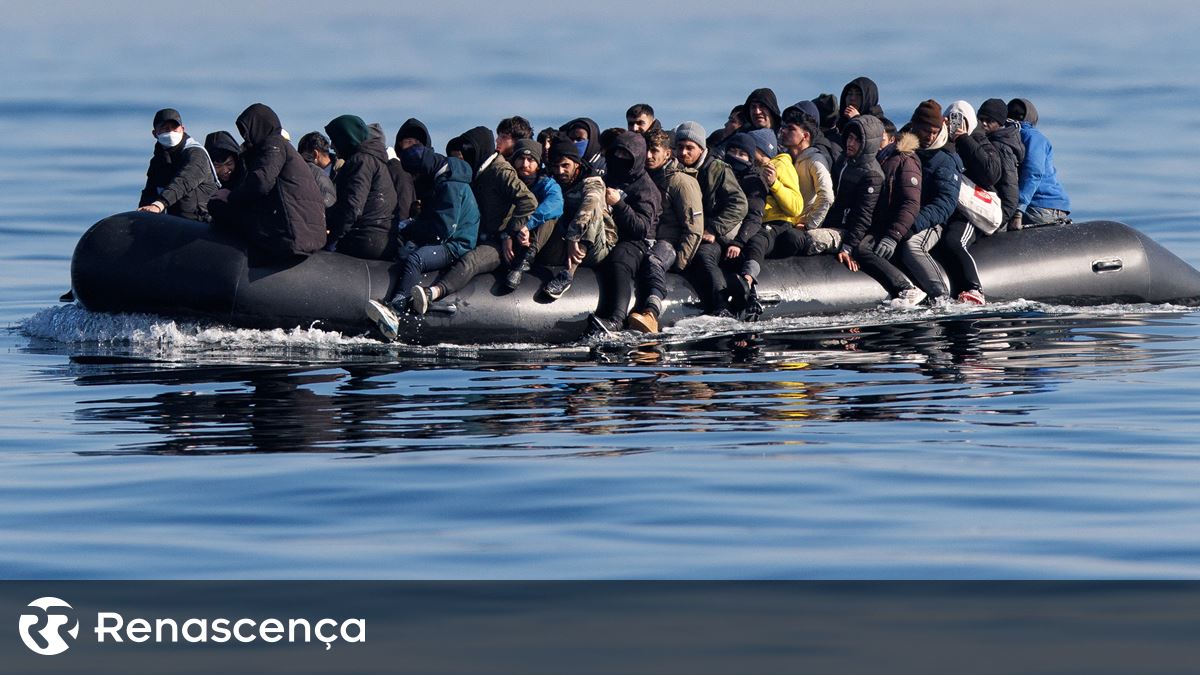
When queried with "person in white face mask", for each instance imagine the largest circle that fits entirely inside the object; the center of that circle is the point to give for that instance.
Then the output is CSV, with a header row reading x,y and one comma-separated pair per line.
x,y
181,176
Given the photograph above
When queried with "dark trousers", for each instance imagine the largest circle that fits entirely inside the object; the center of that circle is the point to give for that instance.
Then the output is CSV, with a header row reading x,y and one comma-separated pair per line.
x,y
708,274
417,262
617,279
372,243
881,269
957,239
479,260
774,240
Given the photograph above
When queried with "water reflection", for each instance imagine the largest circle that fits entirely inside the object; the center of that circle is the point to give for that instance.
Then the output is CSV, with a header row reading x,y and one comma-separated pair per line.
x,y
729,392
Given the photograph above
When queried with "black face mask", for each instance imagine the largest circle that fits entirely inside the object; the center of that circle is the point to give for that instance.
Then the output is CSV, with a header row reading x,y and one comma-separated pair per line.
x,y
739,166
619,168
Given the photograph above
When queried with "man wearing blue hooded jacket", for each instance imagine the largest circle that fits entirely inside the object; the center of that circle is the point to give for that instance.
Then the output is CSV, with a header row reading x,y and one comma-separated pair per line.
x,y
1042,199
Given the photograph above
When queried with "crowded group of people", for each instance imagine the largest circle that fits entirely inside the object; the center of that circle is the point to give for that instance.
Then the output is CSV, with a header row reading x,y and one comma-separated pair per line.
x,y
827,176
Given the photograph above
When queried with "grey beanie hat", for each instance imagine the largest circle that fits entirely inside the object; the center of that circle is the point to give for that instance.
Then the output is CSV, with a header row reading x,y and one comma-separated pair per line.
x,y
691,131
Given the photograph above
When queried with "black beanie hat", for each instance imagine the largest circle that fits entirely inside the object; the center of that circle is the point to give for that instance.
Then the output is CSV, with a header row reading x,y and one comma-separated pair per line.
x,y
563,147
993,109
530,147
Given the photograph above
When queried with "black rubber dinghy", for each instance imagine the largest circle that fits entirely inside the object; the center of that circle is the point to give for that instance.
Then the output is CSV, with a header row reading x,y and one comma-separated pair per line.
x,y
141,262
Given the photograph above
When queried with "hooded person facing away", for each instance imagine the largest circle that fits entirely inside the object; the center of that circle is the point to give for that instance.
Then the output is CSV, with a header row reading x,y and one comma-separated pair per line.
x,y
181,176
1041,199
360,221
278,208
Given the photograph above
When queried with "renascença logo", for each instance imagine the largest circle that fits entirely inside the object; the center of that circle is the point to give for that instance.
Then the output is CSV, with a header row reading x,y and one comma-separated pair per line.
x,y
42,630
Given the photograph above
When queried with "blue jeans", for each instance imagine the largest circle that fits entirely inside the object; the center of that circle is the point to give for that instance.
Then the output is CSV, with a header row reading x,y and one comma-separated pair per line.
x,y
418,261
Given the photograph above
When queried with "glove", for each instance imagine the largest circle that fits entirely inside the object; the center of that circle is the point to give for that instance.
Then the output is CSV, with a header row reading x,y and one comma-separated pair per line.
x,y
1015,223
884,248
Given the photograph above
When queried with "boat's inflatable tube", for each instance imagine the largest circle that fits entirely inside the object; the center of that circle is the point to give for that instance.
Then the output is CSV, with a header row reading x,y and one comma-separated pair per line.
x,y
140,262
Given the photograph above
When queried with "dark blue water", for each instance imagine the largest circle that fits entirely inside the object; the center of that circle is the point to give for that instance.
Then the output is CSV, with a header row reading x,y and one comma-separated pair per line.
x,y
1020,440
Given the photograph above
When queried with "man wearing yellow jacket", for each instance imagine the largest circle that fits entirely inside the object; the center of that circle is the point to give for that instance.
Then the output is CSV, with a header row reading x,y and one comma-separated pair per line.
x,y
781,233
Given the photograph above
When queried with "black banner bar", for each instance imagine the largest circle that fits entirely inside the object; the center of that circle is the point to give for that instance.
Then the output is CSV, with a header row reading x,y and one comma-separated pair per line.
x,y
600,627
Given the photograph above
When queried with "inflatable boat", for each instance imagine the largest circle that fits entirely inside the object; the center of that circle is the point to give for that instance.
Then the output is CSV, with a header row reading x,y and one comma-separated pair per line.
x,y
141,262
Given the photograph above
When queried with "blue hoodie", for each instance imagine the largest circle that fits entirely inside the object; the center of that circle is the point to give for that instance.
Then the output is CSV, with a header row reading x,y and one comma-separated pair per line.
x,y
550,202
1038,183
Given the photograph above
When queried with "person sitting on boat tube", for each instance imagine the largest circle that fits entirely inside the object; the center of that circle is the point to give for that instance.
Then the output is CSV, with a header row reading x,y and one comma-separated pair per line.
x,y
1004,135
360,220
1042,199
277,209
181,176
941,177
505,203
585,232
441,235
522,243
867,218
981,165
725,207
679,229
781,234
636,206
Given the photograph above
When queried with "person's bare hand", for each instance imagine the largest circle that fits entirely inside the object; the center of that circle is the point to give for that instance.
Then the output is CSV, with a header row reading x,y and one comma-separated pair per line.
x,y
846,260
153,207
611,196
508,250
523,236
850,112
708,237
734,251
769,174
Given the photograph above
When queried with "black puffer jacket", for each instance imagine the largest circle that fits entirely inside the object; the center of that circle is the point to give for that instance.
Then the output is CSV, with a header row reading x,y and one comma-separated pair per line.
x,y
859,180
181,177
366,196
981,161
637,213
1007,141
279,205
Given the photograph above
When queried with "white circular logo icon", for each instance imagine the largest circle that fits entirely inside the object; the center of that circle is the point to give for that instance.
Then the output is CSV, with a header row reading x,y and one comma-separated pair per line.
x,y
42,630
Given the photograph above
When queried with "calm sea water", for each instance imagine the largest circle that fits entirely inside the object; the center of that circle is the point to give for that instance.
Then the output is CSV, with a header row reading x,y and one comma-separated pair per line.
x,y
1014,441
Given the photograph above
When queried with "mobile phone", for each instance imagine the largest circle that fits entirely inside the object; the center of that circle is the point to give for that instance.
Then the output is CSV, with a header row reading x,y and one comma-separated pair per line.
x,y
957,121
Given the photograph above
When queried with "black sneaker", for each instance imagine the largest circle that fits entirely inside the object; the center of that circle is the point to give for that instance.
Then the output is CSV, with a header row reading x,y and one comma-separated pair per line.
x,y
561,283
598,326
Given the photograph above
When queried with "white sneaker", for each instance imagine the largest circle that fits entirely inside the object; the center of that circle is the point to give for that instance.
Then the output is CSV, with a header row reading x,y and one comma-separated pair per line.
x,y
385,319
909,297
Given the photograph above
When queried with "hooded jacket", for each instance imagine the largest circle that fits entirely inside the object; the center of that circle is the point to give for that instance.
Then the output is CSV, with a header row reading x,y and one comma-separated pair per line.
x,y
784,199
636,214
859,179
281,206
593,154
505,202
224,142
1039,184
725,204
682,220
870,101
766,98
1007,142
414,128
182,178
366,195
816,186
451,216
899,194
